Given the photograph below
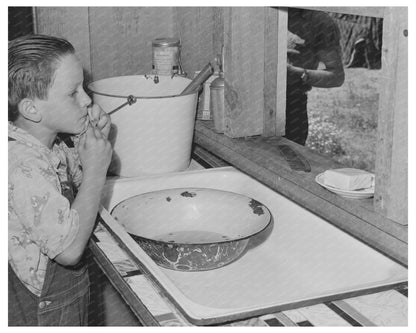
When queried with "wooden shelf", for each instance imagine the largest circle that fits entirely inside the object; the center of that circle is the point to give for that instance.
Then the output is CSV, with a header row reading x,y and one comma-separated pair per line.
x,y
363,11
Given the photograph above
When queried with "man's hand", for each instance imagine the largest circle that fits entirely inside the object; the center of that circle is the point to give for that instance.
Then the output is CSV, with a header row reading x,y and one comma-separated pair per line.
x,y
293,74
294,45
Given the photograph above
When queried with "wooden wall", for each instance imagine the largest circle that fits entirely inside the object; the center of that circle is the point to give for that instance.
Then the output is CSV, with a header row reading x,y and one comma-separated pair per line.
x,y
201,32
121,38
110,41
114,41
67,22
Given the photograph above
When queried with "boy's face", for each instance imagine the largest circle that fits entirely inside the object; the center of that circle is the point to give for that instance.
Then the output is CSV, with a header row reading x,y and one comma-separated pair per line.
x,y
65,109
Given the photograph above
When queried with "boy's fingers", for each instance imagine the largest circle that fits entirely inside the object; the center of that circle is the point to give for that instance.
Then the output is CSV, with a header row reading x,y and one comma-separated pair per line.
x,y
101,123
97,133
104,121
97,111
94,113
89,110
90,131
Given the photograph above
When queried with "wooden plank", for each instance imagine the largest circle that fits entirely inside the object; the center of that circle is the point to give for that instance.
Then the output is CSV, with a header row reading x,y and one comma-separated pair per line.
x,y
121,38
206,159
281,72
70,23
35,20
122,287
271,37
386,309
321,315
262,161
363,11
244,70
195,27
218,32
391,156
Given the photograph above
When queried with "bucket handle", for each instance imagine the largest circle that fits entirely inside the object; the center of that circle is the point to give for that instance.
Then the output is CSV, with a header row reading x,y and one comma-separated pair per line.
x,y
130,101
133,99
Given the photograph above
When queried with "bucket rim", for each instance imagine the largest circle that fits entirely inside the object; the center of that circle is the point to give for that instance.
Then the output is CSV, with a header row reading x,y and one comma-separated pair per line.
x,y
133,96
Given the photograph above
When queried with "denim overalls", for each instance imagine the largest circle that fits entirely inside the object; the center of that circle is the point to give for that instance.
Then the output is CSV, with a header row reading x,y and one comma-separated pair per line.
x,y
64,298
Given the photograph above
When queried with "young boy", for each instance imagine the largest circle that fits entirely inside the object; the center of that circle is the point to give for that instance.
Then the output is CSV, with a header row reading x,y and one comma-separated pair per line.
x,y
50,224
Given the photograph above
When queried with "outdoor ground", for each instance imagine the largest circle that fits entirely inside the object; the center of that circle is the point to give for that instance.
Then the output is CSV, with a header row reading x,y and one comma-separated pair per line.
x,y
343,121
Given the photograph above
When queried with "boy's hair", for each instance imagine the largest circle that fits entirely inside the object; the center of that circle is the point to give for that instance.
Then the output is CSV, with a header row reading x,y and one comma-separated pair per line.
x,y
33,60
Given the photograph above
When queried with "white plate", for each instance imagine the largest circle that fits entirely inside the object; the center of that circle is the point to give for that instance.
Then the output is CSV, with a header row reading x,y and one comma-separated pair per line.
x,y
349,194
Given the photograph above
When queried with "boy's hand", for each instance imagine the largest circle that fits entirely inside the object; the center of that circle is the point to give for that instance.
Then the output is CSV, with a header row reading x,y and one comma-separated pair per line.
x,y
94,152
99,119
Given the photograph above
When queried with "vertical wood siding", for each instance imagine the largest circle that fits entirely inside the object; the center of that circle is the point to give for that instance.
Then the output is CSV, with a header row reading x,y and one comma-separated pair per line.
x,y
112,41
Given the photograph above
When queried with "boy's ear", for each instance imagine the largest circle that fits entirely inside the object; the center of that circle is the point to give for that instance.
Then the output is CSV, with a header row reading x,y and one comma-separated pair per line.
x,y
28,110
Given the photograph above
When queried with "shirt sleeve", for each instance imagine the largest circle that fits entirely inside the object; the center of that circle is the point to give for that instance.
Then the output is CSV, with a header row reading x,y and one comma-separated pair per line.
x,y
327,35
44,212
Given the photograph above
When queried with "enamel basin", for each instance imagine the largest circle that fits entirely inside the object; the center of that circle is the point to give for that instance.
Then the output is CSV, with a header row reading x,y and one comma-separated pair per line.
x,y
192,229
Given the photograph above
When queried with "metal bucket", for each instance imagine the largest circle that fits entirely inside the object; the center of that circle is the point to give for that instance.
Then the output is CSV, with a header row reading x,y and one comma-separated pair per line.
x,y
152,126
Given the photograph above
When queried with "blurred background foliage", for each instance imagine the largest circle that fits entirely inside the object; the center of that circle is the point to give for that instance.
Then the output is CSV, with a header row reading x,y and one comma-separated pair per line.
x,y
343,121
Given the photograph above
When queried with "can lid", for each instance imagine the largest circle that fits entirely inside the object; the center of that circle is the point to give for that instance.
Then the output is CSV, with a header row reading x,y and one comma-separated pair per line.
x,y
218,82
165,42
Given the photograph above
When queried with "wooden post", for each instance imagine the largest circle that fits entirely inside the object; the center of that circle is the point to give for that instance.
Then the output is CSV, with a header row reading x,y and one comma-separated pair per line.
x,y
363,11
282,26
271,47
275,57
391,158
244,71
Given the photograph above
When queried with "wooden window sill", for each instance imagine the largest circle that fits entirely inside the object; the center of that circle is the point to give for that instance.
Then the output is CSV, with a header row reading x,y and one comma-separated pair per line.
x,y
260,158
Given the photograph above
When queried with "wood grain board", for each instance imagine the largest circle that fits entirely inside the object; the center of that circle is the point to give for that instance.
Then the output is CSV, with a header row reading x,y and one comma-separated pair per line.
x,y
244,71
391,195
121,38
196,27
365,11
275,38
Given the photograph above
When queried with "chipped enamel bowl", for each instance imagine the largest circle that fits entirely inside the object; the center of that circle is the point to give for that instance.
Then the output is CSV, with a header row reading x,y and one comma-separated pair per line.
x,y
192,229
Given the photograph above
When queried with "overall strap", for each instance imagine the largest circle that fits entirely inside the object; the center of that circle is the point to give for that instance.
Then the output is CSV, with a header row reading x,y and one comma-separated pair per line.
x,y
61,283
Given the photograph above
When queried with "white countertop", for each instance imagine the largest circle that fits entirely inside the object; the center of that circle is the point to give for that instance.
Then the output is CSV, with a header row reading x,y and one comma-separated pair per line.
x,y
302,260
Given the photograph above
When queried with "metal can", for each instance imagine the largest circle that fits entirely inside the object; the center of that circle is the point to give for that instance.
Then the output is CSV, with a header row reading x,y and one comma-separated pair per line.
x,y
217,103
166,56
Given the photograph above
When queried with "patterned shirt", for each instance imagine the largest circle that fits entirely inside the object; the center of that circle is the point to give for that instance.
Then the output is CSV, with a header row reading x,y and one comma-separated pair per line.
x,y
41,221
